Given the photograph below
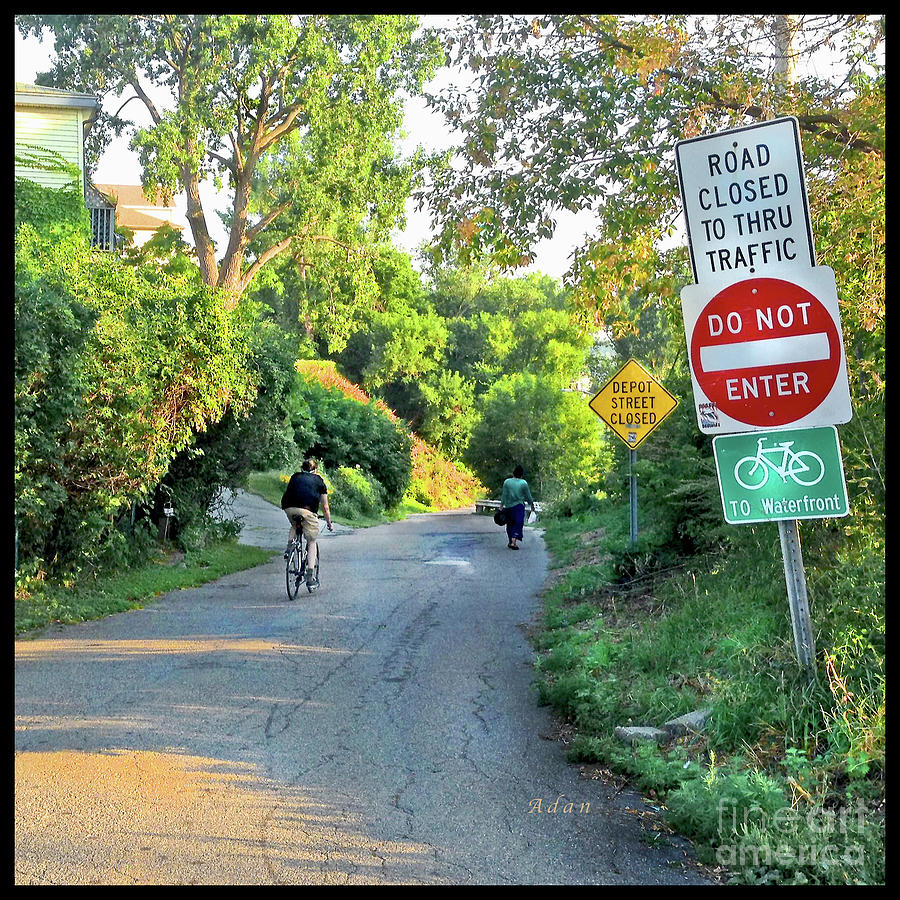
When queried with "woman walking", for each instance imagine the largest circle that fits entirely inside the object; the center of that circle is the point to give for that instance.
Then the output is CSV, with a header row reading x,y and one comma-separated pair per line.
x,y
513,497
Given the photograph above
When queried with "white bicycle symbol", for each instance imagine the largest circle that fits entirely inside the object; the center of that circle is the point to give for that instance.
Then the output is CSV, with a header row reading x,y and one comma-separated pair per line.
x,y
805,467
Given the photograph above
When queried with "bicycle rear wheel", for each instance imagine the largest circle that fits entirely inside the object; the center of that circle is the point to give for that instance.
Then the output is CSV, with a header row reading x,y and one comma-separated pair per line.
x,y
293,571
810,466
750,473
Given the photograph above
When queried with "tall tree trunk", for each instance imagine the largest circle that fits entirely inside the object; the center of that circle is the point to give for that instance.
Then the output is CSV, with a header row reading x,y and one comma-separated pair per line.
x,y
232,262
231,276
782,36
206,251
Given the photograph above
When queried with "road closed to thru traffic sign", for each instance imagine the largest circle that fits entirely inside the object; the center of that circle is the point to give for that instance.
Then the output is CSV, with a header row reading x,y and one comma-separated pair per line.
x,y
767,352
745,203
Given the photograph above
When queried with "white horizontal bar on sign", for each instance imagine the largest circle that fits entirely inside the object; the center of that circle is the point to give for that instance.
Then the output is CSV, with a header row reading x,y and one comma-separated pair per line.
x,y
798,348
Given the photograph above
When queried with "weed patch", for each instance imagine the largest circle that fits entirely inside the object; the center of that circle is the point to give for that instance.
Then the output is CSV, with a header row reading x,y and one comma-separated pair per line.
x,y
785,782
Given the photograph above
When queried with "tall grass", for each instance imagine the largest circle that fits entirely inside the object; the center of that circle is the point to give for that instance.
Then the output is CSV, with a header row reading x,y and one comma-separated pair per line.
x,y
633,635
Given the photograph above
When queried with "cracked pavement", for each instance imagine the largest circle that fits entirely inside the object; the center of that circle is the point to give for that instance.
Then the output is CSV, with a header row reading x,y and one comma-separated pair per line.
x,y
383,730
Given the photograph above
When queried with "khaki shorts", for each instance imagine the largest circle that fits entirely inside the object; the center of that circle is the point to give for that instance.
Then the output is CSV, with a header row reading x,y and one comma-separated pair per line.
x,y
306,519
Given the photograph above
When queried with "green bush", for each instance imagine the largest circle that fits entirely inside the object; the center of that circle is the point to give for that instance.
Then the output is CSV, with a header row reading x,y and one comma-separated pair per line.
x,y
255,438
57,214
353,495
117,368
716,807
343,432
51,331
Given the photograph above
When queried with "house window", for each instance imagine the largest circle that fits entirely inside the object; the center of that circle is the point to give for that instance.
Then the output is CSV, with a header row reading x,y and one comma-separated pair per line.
x,y
103,218
103,228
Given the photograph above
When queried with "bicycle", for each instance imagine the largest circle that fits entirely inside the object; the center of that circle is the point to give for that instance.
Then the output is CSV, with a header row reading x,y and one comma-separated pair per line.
x,y
793,465
295,567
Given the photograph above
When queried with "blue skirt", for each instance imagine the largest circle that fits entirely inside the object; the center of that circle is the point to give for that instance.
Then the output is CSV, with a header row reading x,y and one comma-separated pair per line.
x,y
515,520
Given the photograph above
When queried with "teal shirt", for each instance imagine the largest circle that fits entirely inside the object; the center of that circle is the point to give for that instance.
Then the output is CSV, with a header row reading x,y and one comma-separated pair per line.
x,y
515,491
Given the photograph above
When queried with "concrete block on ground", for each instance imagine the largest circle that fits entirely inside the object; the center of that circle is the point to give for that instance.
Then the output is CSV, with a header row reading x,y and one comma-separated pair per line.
x,y
689,723
632,734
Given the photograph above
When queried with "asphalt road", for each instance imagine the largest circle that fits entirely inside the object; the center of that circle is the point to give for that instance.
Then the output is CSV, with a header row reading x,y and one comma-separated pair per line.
x,y
381,731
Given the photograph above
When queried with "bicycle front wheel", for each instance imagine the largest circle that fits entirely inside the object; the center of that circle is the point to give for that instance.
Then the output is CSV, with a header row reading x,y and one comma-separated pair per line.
x,y
807,468
293,571
314,586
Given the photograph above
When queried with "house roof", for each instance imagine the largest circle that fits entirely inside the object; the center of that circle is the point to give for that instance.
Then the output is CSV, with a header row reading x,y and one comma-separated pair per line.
x,y
38,95
132,195
134,210
140,221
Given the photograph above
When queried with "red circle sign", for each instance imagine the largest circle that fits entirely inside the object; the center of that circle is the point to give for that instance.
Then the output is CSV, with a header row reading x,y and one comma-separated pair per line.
x,y
765,351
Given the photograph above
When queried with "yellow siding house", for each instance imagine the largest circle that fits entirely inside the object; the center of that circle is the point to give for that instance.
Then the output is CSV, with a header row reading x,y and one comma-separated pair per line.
x,y
53,120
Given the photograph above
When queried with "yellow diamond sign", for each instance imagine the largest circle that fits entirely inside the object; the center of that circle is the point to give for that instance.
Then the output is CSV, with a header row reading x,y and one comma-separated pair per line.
x,y
633,403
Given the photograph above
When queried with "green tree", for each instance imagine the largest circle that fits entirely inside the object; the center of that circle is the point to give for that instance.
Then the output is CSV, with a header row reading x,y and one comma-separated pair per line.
x,y
553,434
398,351
297,113
398,337
500,326
849,225
449,412
403,346
573,112
582,112
430,354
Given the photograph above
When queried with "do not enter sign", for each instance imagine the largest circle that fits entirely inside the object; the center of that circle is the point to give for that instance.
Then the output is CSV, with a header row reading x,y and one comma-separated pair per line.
x,y
767,352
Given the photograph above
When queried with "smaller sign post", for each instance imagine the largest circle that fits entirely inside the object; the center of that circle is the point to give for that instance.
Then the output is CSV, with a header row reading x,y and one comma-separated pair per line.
x,y
798,599
633,403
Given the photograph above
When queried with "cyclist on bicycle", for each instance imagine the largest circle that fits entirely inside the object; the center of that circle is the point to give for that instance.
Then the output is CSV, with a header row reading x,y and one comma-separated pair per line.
x,y
300,503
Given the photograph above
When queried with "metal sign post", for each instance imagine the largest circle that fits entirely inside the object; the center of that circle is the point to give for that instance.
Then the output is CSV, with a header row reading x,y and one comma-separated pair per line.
x,y
763,333
798,600
633,403
633,495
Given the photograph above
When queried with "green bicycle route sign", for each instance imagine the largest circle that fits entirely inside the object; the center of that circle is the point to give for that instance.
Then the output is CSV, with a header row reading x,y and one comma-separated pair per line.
x,y
767,476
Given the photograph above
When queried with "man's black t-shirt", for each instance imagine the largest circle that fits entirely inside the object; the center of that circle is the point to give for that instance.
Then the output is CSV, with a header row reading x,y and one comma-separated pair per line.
x,y
304,490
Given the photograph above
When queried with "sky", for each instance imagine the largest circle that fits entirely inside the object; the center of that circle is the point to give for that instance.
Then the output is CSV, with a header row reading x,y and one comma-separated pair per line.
x,y
119,165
